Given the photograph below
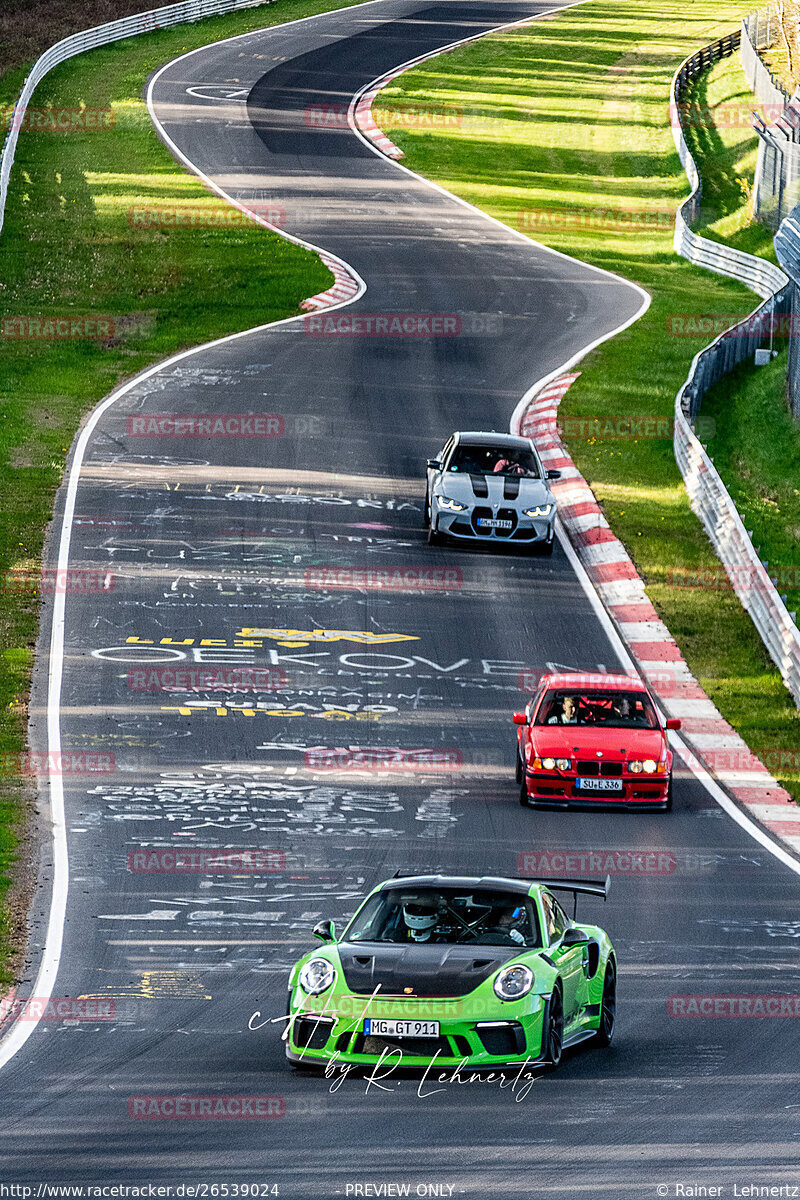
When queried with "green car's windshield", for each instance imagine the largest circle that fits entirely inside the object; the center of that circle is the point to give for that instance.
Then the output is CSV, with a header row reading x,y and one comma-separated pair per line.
x,y
467,917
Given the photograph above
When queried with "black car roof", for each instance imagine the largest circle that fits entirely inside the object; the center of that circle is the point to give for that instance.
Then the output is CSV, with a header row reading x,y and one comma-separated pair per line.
x,y
484,883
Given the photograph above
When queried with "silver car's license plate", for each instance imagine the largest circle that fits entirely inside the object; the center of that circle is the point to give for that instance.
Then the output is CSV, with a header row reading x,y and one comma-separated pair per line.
x,y
599,785
493,523
377,1027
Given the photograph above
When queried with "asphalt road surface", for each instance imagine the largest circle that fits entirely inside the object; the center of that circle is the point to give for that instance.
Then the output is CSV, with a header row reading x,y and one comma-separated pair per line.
x,y
207,540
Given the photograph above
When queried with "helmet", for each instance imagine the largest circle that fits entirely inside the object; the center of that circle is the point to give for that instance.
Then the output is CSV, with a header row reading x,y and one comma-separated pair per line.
x,y
513,919
420,920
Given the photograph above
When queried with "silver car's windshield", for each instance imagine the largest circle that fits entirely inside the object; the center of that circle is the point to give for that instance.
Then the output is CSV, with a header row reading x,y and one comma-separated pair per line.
x,y
494,460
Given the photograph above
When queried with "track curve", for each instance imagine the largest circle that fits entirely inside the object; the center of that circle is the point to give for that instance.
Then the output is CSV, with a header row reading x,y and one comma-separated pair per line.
x,y
209,539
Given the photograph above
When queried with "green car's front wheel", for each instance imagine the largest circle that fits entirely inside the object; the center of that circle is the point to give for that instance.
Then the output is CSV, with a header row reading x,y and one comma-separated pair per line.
x,y
555,1030
608,1008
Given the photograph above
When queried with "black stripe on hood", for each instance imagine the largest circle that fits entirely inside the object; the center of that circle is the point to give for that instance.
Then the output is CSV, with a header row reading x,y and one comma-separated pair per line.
x,y
428,968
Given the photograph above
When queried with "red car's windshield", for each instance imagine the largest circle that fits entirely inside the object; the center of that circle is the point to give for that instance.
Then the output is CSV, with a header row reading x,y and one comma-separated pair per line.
x,y
610,709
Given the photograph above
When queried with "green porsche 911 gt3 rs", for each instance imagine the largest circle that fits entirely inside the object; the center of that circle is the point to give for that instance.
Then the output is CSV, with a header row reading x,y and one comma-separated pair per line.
x,y
454,970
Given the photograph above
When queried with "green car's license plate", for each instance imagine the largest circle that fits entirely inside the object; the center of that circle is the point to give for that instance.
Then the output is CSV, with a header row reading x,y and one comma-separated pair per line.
x,y
385,1028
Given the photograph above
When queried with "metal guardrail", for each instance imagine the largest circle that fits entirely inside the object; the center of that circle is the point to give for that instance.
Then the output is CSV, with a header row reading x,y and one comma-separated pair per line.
x,y
102,35
787,248
709,499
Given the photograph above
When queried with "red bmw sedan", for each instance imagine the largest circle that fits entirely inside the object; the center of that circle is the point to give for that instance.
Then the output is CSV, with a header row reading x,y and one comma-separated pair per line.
x,y
588,740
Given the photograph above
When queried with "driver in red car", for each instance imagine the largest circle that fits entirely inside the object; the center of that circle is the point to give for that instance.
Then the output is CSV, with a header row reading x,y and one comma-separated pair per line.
x,y
568,714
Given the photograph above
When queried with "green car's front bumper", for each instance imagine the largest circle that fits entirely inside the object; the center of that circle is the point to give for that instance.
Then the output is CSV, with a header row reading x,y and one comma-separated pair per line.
x,y
319,1033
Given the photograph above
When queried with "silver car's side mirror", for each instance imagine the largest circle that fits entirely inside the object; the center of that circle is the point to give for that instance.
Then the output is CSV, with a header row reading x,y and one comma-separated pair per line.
x,y
434,464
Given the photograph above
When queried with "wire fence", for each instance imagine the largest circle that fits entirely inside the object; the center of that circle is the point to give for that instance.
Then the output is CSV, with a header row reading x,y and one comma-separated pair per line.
x,y
776,186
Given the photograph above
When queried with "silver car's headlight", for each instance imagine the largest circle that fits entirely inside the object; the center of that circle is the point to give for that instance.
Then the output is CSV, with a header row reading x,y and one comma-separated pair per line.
x,y
450,505
541,510
513,982
317,976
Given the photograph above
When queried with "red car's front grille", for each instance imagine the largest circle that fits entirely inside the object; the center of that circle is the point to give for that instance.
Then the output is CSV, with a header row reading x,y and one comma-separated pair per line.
x,y
592,766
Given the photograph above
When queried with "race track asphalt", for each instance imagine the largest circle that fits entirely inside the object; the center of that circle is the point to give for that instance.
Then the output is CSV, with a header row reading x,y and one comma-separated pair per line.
x,y
206,539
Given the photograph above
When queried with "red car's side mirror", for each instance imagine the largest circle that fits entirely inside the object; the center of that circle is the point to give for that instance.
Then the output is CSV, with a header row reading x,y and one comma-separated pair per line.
x,y
674,723
520,718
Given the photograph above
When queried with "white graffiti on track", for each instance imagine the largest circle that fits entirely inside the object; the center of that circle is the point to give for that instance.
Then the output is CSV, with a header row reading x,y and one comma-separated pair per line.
x,y
193,802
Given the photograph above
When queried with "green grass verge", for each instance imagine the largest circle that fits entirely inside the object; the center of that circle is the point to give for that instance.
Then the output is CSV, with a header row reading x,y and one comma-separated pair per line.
x,y
68,248
549,128
756,449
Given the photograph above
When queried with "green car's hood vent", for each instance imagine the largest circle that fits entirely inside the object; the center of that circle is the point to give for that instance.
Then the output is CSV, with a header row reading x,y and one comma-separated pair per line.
x,y
437,970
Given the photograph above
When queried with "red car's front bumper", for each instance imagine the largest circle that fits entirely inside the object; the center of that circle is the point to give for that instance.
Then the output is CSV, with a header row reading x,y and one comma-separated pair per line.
x,y
545,787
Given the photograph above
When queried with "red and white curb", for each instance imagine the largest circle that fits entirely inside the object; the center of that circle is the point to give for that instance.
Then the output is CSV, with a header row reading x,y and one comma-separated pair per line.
x,y
366,122
345,286
713,743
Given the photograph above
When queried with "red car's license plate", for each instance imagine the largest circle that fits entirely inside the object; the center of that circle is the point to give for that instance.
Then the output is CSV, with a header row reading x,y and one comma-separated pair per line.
x,y
599,785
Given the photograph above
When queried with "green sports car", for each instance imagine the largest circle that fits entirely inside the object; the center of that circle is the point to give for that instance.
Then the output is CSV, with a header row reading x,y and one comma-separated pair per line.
x,y
451,970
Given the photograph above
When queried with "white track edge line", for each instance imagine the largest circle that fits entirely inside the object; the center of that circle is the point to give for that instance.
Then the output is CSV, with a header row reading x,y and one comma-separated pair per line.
x,y
13,1041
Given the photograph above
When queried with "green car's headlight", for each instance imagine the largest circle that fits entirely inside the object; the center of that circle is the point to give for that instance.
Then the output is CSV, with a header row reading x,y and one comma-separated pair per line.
x,y
513,982
317,976
450,505
541,510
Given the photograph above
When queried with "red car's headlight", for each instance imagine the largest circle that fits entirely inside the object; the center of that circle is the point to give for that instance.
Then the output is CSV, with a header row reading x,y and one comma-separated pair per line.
x,y
551,764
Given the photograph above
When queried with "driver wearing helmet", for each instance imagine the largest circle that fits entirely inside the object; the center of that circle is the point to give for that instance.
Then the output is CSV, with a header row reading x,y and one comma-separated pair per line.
x,y
419,921
508,926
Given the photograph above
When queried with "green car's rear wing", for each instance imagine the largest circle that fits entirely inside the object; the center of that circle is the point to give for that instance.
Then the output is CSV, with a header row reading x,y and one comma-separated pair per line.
x,y
587,887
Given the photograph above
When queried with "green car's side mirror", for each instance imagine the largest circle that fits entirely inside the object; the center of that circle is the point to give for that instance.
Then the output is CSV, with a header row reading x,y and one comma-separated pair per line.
x,y
574,937
325,931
